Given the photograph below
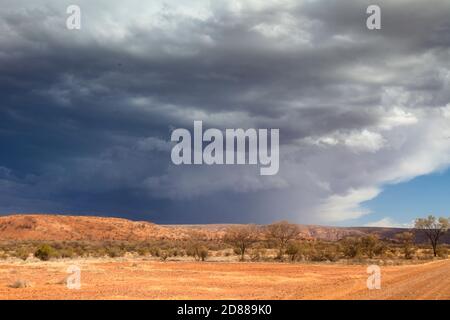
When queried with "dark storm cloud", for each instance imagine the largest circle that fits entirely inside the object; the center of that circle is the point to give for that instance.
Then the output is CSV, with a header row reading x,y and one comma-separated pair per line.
x,y
86,115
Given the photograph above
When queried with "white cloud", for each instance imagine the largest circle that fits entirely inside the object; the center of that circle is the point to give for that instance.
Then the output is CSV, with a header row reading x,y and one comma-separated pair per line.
x,y
343,207
389,223
357,141
397,117
409,151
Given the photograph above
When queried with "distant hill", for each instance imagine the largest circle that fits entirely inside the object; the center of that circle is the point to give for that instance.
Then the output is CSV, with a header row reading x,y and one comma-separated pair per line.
x,y
89,228
58,227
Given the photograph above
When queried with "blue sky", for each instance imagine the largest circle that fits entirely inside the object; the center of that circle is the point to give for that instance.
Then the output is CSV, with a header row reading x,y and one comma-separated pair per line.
x,y
402,203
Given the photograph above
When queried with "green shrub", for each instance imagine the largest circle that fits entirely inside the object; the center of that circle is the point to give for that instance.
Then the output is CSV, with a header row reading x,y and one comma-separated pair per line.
x,y
22,253
115,252
67,253
143,251
45,252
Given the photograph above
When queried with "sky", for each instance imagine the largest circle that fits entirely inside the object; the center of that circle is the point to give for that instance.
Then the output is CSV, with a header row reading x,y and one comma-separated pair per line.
x,y
364,115
419,197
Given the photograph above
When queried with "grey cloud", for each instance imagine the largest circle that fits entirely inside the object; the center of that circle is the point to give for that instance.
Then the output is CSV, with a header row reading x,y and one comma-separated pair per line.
x,y
86,114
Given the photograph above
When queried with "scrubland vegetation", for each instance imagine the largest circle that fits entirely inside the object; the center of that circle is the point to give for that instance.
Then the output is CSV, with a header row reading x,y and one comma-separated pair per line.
x,y
277,242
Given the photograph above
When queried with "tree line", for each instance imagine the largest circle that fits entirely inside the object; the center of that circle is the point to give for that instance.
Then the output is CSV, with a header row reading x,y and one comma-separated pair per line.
x,y
283,234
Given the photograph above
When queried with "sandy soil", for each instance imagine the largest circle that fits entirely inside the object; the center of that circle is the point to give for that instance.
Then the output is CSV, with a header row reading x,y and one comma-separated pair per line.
x,y
136,279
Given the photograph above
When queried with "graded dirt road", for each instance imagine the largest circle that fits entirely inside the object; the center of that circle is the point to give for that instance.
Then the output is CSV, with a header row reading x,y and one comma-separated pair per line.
x,y
138,279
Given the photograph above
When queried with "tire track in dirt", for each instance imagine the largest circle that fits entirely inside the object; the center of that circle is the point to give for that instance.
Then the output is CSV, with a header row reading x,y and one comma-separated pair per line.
x,y
426,281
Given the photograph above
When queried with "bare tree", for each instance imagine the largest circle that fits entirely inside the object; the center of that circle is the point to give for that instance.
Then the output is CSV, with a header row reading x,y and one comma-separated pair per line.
x,y
197,246
282,232
241,237
433,228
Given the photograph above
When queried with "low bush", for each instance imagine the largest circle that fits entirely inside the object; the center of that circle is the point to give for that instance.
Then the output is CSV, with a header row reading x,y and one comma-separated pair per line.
x,y
45,252
115,252
22,253
442,252
197,251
